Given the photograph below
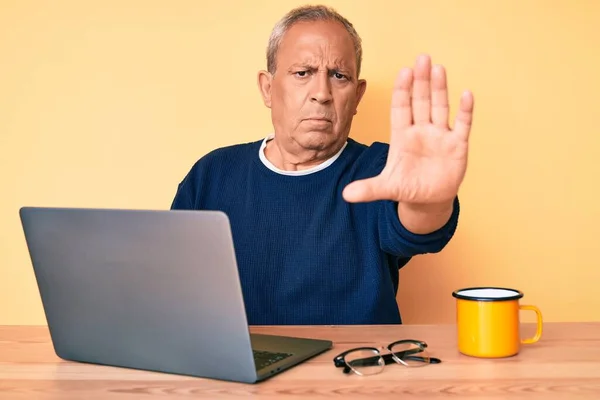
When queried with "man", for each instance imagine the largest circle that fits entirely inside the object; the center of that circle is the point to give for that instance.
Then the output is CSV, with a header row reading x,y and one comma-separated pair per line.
x,y
321,223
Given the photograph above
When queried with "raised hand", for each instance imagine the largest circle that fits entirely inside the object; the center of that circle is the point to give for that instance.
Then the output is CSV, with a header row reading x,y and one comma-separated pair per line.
x,y
427,159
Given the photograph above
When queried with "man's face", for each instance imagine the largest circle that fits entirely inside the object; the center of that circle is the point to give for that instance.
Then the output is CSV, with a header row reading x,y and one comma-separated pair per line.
x,y
314,92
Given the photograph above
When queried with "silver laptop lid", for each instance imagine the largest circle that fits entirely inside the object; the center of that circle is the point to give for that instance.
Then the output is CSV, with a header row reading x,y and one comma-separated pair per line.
x,y
156,290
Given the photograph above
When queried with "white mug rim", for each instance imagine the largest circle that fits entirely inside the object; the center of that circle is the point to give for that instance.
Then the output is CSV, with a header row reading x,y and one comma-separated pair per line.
x,y
462,295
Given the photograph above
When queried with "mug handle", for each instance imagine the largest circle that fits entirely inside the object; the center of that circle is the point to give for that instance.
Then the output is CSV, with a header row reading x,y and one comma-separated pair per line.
x,y
538,332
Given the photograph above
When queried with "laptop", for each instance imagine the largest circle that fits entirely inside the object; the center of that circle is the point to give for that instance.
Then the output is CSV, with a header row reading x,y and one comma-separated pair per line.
x,y
151,290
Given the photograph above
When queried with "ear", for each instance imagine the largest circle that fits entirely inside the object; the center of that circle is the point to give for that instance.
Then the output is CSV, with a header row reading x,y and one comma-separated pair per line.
x,y
360,91
264,85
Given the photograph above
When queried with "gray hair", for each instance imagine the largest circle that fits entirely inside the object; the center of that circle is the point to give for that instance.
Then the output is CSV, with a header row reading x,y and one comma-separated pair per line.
x,y
309,13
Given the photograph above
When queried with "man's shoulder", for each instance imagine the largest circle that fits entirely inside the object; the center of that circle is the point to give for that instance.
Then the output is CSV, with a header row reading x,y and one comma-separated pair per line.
x,y
235,150
363,149
227,154
370,157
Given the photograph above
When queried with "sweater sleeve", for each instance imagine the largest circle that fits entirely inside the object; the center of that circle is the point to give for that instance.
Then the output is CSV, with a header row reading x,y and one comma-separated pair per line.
x,y
183,197
203,178
190,188
397,240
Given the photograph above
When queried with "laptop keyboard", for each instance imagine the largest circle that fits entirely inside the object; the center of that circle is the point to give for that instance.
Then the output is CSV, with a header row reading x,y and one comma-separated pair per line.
x,y
263,359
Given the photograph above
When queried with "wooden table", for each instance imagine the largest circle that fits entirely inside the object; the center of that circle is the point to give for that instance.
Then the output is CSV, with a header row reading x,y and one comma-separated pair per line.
x,y
565,364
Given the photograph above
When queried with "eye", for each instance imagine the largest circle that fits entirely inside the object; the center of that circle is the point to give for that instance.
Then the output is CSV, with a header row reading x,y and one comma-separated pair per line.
x,y
301,74
339,76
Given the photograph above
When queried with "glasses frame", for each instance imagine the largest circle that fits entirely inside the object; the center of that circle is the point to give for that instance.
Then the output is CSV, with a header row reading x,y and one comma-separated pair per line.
x,y
389,358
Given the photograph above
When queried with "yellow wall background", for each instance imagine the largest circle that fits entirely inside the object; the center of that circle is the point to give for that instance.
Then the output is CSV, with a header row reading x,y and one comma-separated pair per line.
x,y
109,103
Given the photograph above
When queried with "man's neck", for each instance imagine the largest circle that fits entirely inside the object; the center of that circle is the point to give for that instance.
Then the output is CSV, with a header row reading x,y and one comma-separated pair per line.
x,y
299,159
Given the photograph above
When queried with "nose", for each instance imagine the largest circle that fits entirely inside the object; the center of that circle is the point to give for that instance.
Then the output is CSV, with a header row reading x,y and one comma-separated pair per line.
x,y
321,92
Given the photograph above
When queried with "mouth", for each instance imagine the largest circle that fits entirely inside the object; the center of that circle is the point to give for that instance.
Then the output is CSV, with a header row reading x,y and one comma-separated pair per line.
x,y
318,119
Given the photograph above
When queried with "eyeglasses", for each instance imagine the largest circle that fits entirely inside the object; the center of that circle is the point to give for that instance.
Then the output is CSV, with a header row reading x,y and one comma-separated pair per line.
x,y
369,361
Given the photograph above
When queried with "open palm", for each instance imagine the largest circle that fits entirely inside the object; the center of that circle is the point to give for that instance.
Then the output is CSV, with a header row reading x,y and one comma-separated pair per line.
x,y
427,160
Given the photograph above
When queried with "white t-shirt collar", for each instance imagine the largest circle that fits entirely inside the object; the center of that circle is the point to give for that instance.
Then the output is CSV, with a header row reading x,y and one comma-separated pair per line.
x,y
316,168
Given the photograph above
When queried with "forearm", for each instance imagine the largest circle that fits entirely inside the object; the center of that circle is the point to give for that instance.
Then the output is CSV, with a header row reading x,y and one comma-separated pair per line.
x,y
422,219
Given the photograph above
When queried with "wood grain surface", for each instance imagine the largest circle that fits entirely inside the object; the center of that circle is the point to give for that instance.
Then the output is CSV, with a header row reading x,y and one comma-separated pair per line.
x,y
565,364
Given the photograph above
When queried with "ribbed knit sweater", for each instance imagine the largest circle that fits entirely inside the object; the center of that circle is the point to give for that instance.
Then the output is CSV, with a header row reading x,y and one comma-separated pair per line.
x,y
304,254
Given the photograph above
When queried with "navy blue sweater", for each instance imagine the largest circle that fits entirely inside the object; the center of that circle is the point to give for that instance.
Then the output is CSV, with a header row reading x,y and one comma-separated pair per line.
x,y
305,255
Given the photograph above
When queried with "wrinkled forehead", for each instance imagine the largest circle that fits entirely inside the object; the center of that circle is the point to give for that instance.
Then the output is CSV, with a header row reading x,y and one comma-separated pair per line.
x,y
317,43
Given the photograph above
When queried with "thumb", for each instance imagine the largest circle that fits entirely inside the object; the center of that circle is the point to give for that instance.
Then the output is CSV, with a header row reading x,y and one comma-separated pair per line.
x,y
363,190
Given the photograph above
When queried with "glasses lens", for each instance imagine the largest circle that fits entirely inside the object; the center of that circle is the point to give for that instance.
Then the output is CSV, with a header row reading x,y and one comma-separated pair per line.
x,y
365,362
410,354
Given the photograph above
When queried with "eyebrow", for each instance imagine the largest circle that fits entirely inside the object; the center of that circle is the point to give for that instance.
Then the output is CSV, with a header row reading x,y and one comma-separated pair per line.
x,y
336,68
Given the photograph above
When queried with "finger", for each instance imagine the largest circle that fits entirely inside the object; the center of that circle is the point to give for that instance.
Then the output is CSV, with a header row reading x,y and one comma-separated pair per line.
x,y
439,97
464,116
401,110
421,95
364,190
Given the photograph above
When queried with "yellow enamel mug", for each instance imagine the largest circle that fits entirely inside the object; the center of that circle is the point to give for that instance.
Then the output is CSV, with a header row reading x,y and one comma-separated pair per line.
x,y
488,321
